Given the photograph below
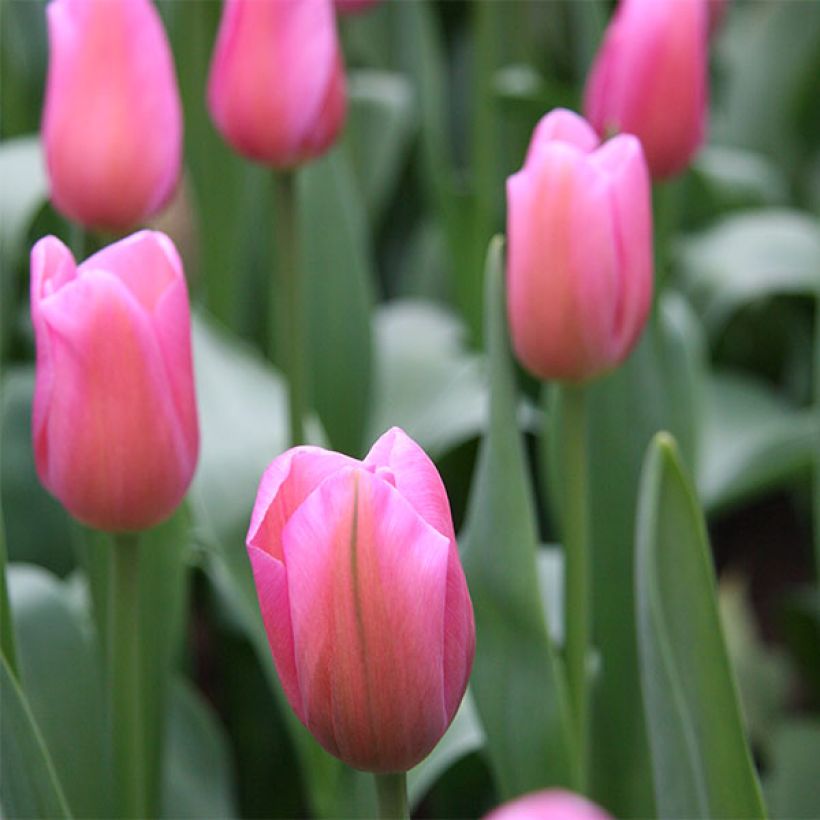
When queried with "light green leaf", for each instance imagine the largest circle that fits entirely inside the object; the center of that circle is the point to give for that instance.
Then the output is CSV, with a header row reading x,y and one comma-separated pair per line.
x,y
24,190
740,177
30,787
529,747
60,672
380,126
752,440
701,763
750,256
339,298
197,776
791,787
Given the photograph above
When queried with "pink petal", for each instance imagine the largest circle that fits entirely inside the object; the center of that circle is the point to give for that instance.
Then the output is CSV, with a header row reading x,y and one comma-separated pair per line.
x,y
367,581
561,125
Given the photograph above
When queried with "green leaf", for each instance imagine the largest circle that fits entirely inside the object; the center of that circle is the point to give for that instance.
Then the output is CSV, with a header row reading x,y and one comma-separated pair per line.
x,y
427,381
197,776
380,126
30,787
529,747
752,440
701,763
750,256
60,673
339,297
791,787
24,191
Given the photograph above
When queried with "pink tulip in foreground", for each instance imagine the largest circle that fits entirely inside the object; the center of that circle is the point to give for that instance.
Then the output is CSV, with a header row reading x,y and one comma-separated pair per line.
x,y
553,804
364,599
112,122
277,88
650,79
579,262
115,423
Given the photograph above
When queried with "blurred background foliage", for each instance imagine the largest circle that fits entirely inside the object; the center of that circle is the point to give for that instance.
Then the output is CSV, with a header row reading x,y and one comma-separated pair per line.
x,y
395,224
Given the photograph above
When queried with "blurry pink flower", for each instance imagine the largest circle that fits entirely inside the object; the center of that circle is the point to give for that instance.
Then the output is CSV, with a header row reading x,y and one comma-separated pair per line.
x,y
115,423
579,261
364,599
277,87
650,79
354,6
112,122
552,804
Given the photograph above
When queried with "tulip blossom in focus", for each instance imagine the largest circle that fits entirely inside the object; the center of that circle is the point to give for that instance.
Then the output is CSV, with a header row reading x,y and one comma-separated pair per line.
x,y
112,122
650,79
364,599
115,422
579,261
550,804
276,89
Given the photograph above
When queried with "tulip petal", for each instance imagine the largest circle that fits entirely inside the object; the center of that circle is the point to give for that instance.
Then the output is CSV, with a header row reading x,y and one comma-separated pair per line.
x,y
561,125
110,409
367,580
288,481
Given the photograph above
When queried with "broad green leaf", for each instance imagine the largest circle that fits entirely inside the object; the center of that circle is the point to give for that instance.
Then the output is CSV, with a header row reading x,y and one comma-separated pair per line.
x,y
37,529
427,381
339,297
197,776
659,386
60,672
163,590
24,190
380,126
464,736
701,763
529,747
791,787
750,256
752,440
30,786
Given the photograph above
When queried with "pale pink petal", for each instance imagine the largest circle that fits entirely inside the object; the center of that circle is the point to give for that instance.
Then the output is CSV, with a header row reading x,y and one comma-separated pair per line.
x,y
561,125
551,804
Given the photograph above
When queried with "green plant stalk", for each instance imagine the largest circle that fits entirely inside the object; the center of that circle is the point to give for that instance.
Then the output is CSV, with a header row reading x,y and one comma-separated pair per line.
x,y
577,599
391,790
125,694
817,420
7,642
287,304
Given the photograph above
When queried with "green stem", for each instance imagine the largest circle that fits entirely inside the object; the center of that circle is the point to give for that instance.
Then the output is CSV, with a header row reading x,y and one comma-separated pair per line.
x,y
126,718
77,239
7,642
392,795
287,306
577,599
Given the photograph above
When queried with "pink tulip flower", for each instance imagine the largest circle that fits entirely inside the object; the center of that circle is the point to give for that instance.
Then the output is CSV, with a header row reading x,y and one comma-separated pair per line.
x,y
354,6
650,79
115,422
277,87
579,261
112,122
364,599
551,804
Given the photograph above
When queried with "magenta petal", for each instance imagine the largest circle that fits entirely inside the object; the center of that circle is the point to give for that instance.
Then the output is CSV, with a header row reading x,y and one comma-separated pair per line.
x,y
367,581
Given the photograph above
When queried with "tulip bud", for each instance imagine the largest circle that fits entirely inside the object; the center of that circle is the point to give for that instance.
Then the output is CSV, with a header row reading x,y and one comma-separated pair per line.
x,y
550,804
277,88
579,263
650,79
364,599
115,424
112,122
354,6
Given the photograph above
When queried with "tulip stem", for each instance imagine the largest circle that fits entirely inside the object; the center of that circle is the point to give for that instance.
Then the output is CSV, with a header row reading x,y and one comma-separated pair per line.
x,y
392,794
577,600
125,707
288,336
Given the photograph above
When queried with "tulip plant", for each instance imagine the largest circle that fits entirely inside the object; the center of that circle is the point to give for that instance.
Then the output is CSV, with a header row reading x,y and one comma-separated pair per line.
x,y
492,330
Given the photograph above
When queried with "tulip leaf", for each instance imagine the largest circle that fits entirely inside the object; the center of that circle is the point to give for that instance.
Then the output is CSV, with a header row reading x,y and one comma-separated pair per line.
x,y
701,762
791,787
752,440
60,673
30,786
197,776
339,295
24,191
529,747
751,256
